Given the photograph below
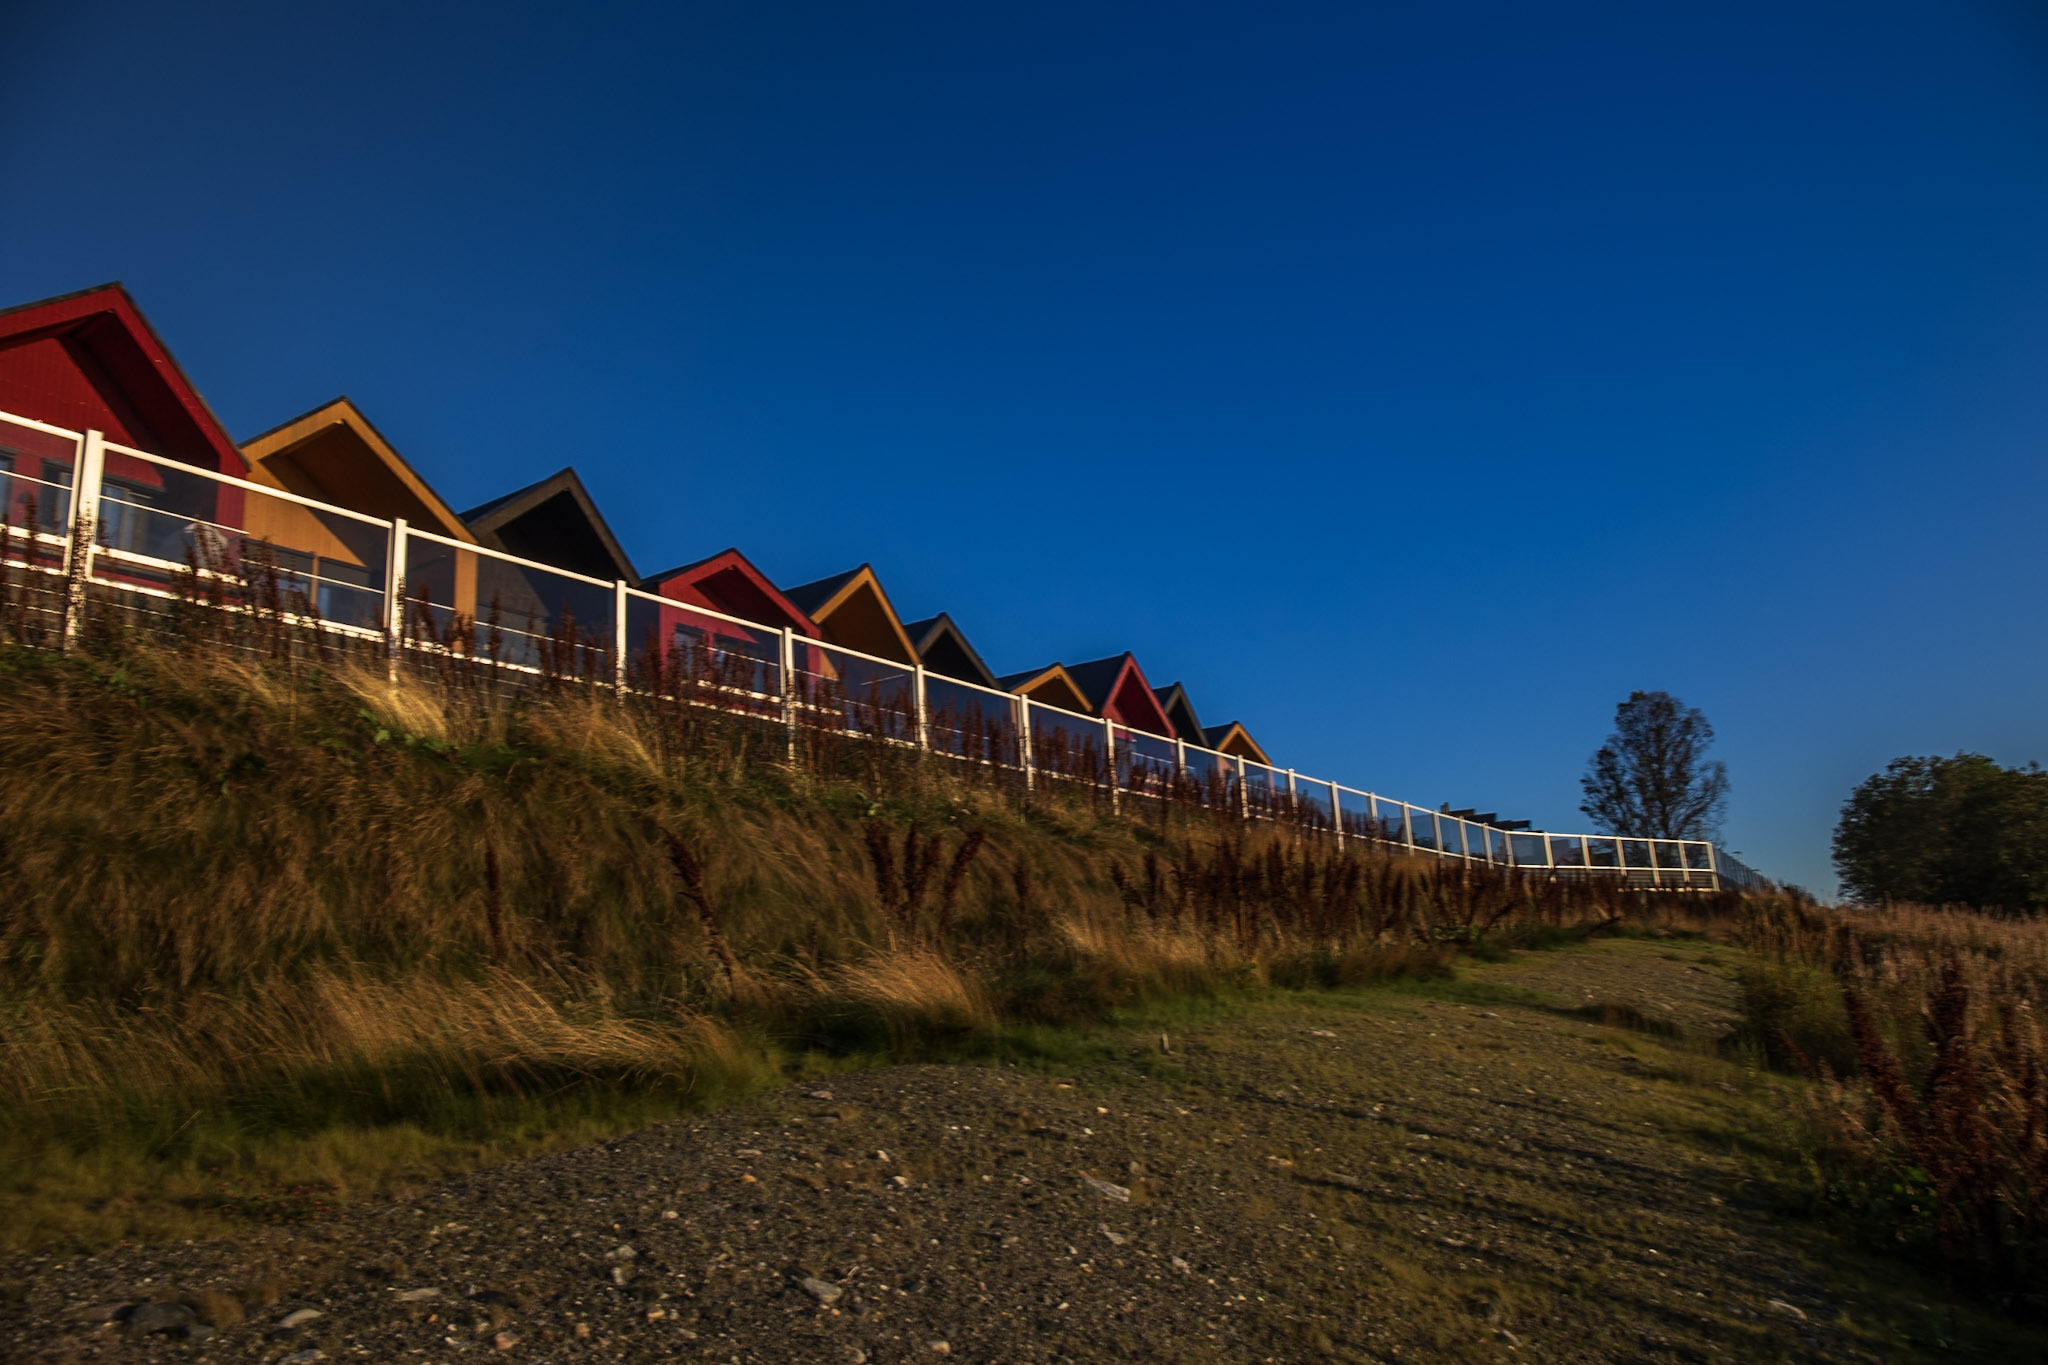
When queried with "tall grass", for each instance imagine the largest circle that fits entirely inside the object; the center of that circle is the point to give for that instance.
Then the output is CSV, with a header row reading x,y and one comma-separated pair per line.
x,y
250,896
1922,1029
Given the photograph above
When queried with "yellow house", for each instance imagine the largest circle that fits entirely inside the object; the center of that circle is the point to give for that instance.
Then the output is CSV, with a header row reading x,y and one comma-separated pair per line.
x,y
852,610
334,455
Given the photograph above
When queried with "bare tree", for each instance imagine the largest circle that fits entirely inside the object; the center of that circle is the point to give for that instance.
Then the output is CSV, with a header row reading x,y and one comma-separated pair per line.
x,y
1652,779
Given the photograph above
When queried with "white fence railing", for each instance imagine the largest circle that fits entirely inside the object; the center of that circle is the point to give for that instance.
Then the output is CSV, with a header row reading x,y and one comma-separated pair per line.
x,y
158,523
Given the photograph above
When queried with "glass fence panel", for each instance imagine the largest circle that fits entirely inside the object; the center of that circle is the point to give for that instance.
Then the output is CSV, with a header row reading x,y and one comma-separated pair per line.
x,y
1422,825
1265,788
1066,744
1567,851
1357,811
1498,847
1670,857
1699,857
1144,762
1529,850
970,721
472,605
182,532
1312,803
1601,853
36,469
675,650
1635,852
848,691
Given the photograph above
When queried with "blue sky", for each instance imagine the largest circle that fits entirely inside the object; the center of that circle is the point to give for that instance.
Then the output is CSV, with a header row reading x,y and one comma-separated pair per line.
x,y
1411,381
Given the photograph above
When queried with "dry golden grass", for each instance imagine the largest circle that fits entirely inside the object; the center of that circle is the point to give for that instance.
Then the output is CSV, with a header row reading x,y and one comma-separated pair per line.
x,y
1922,1029
249,901
915,988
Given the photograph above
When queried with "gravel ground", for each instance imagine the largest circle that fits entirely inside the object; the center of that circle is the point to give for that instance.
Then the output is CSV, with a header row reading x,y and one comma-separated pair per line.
x,y
1468,1174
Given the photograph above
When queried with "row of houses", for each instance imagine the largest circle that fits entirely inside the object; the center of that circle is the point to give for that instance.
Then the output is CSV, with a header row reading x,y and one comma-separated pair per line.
x,y
90,360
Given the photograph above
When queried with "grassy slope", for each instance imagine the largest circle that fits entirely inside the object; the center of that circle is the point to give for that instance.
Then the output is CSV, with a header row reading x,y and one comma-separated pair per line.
x,y
270,931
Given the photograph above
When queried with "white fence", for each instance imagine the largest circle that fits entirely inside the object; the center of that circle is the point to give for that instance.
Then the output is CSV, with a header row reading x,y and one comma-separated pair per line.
x,y
160,526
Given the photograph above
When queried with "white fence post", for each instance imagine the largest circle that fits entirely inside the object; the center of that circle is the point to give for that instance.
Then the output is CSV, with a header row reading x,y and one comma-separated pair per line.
x,y
394,598
1109,761
619,638
924,723
1337,815
1714,869
789,695
85,515
1024,742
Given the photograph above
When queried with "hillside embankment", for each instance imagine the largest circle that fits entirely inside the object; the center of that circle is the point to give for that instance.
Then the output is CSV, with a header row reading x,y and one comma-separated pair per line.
x,y
1477,1169
421,1007
271,925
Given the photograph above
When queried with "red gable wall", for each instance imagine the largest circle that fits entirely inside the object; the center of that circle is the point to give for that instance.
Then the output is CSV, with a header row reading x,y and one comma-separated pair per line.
x,y
1131,702
92,360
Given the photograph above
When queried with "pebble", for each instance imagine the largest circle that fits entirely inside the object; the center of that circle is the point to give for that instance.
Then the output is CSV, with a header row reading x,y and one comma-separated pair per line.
x,y
942,1348
158,1317
622,1274
305,1357
901,1182
1116,1239
419,1295
821,1094
824,1291
197,1331
1785,1307
1107,1190
505,1341
299,1317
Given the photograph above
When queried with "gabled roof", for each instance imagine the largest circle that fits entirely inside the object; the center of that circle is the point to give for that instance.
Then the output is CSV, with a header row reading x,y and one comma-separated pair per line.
x,y
90,359
334,454
1116,688
1052,685
1233,739
943,649
853,610
552,522
728,582
1180,710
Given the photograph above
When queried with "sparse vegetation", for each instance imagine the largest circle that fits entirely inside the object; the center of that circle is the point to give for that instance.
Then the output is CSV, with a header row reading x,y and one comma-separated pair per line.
x,y
1928,1116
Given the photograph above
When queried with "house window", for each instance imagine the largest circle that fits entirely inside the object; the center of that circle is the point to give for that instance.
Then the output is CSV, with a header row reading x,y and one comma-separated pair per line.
x,y
124,522
53,497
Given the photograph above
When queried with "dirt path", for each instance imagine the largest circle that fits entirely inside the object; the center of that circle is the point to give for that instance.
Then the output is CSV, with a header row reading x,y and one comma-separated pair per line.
x,y
1466,1172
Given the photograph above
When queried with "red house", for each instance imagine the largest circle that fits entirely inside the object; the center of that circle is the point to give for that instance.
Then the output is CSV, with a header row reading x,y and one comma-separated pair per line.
x,y
1113,688
90,360
726,582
